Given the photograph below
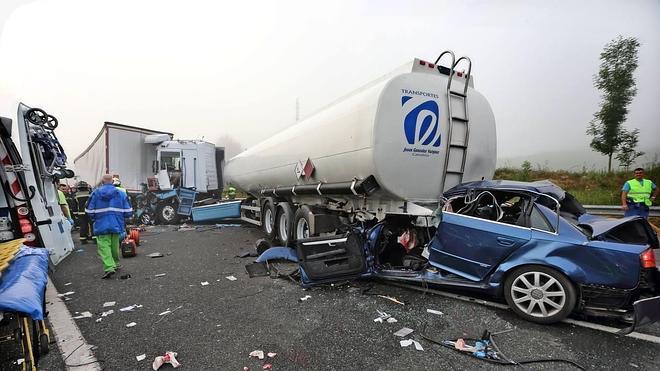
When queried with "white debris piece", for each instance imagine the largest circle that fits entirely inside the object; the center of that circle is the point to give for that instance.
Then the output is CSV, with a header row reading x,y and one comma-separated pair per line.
x,y
66,294
83,315
109,304
231,278
141,357
20,361
105,314
205,283
165,312
99,320
404,332
305,297
272,355
160,274
433,311
68,283
130,307
408,342
382,316
131,324
257,353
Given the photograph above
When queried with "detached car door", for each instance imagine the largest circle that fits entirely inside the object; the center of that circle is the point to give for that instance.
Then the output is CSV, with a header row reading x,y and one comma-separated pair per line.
x,y
471,247
54,229
333,258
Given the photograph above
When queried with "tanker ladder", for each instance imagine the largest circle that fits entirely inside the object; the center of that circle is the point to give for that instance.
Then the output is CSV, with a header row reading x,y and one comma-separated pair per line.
x,y
457,140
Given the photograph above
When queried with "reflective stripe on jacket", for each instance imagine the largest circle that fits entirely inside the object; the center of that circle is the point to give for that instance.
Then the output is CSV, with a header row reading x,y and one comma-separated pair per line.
x,y
107,207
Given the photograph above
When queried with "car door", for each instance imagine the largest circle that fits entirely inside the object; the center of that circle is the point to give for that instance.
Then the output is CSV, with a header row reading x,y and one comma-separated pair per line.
x,y
332,258
54,229
471,247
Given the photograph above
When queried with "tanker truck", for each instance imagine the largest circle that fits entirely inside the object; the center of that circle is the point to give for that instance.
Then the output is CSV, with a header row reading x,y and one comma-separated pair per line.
x,y
386,151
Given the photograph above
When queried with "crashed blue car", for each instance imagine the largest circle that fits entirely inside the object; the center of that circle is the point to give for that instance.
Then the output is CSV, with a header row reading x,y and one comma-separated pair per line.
x,y
530,243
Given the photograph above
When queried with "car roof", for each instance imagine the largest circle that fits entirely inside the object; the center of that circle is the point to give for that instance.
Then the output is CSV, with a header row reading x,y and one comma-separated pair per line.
x,y
542,186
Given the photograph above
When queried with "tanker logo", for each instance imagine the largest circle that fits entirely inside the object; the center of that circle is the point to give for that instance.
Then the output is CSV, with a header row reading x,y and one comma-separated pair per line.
x,y
420,124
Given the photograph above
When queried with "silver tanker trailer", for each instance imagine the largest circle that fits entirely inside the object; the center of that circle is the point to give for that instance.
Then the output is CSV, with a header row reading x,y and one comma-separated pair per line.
x,y
386,150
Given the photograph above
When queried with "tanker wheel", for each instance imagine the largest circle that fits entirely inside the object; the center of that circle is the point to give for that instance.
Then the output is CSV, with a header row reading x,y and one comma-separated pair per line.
x,y
268,213
283,223
302,223
166,213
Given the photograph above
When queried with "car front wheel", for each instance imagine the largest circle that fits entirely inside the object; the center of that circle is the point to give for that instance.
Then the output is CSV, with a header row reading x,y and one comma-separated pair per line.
x,y
539,294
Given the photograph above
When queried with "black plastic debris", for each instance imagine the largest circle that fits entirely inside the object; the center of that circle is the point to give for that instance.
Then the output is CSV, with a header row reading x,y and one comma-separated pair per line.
x,y
257,270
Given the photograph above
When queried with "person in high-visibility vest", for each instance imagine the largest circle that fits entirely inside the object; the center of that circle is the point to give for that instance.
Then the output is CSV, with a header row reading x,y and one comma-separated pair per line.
x,y
638,194
231,193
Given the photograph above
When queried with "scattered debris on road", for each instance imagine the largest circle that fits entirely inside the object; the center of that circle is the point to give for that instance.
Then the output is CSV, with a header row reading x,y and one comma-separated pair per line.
x,y
155,255
66,294
109,304
257,353
205,283
131,324
141,357
433,311
382,316
405,331
267,366
130,307
271,355
169,357
83,315
408,342
160,275
231,278
304,298
394,300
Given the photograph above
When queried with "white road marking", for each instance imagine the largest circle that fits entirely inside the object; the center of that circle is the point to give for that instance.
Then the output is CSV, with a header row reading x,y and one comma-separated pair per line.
x,y
69,339
589,325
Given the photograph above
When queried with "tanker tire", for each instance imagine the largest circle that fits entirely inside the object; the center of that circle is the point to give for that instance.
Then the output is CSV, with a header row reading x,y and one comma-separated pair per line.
x,y
302,223
268,212
283,223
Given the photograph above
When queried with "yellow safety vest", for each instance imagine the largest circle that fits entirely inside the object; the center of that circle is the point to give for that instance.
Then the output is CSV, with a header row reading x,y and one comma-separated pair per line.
x,y
640,192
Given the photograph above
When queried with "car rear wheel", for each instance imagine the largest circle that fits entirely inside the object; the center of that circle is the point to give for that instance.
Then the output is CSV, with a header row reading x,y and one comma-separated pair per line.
x,y
539,294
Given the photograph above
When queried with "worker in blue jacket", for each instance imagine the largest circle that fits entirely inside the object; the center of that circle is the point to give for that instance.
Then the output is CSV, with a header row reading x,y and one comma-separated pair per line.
x,y
107,207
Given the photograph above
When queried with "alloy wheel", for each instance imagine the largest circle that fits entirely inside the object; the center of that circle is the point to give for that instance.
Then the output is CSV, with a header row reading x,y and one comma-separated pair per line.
x,y
538,294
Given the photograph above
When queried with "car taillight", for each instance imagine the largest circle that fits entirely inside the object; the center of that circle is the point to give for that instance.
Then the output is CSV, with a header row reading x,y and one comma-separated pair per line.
x,y
25,224
647,258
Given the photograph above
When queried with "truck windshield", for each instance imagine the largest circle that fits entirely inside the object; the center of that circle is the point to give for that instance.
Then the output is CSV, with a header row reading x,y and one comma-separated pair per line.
x,y
170,161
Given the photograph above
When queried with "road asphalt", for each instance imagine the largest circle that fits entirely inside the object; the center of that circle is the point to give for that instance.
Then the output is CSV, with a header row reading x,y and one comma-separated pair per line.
x,y
217,325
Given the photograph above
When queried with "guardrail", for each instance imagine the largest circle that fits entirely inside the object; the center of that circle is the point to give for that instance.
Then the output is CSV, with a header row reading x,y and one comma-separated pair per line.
x,y
615,210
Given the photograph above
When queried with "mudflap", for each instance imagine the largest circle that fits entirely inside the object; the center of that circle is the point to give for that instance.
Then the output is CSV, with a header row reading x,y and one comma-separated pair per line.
x,y
646,311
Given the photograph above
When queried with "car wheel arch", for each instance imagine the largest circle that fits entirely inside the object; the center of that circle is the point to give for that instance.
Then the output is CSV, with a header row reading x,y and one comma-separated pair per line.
x,y
500,276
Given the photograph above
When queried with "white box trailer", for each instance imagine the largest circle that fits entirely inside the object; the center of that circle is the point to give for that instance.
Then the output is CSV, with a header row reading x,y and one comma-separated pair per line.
x,y
137,153
119,149
391,147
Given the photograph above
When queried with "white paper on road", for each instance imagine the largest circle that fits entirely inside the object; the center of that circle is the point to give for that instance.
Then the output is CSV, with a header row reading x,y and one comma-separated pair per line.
x,y
130,307
305,297
109,304
204,283
257,353
141,357
433,311
66,294
83,315
165,312
404,332
408,342
231,278
68,283
131,324
105,314
160,274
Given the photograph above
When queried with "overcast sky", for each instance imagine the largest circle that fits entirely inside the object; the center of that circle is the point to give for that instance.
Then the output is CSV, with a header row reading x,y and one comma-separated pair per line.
x,y
209,68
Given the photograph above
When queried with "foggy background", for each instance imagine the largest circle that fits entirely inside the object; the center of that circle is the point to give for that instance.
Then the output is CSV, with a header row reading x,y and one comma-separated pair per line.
x,y
230,73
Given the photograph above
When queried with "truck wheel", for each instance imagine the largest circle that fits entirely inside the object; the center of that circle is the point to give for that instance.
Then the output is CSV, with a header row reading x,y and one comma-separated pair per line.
x,y
268,213
302,223
284,221
167,213
539,294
